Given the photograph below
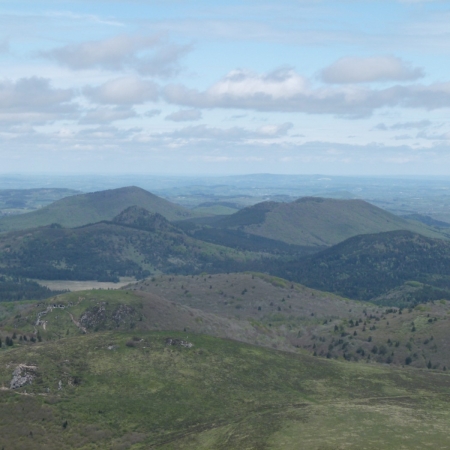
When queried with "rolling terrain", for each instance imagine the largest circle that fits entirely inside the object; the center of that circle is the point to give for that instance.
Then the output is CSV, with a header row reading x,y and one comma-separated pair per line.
x,y
82,209
139,390
19,201
376,267
85,312
253,296
316,221
319,322
199,354
135,243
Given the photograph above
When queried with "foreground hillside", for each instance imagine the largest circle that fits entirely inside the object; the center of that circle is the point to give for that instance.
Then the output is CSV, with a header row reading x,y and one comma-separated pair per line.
x,y
315,221
376,268
140,390
321,323
74,314
83,209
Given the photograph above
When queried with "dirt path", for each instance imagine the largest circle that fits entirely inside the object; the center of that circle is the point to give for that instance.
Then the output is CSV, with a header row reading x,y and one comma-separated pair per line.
x,y
77,324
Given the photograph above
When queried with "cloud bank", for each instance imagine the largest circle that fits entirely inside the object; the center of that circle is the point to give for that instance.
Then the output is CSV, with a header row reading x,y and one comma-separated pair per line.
x,y
285,90
148,55
365,70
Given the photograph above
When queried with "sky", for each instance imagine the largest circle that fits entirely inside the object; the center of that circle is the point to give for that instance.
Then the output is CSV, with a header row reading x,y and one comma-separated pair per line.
x,y
184,87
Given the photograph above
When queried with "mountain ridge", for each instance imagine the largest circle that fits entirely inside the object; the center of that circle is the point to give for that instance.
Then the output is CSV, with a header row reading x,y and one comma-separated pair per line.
x,y
317,221
82,209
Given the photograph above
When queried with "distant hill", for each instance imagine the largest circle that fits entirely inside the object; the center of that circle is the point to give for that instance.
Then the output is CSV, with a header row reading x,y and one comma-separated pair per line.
x,y
18,201
427,220
135,243
93,207
17,289
368,267
143,219
315,221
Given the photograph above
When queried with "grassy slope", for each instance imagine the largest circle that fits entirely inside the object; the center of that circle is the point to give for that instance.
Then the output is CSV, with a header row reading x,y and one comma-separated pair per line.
x,y
100,310
218,394
317,221
82,209
242,294
386,336
308,318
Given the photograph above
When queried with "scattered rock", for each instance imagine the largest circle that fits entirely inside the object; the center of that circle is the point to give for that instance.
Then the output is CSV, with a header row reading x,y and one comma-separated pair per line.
x,y
179,342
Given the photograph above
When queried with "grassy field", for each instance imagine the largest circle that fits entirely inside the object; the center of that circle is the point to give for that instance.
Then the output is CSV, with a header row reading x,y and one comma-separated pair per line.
x,y
123,390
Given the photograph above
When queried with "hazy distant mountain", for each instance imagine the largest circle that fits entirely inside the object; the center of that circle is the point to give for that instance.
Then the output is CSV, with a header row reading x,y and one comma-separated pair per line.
x,y
427,220
82,209
317,221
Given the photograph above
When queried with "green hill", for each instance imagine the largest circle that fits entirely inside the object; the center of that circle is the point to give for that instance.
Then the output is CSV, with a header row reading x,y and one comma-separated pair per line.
x,y
315,221
166,390
82,209
136,243
256,297
368,267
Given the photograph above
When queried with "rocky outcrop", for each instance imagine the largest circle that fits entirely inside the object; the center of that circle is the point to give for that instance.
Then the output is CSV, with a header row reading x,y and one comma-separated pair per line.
x,y
94,316
23,375
122,313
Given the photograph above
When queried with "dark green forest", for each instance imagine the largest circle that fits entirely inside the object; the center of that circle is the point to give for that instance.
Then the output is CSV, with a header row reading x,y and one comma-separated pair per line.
x,y
369,266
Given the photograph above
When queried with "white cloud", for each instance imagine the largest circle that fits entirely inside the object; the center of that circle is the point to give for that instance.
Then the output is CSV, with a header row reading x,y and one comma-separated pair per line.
x,y
282,83
434,136
164,62
34,100
420,124
185,115
204,132
148,55
287,91
123,91
363,70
